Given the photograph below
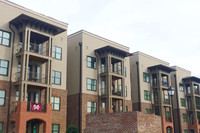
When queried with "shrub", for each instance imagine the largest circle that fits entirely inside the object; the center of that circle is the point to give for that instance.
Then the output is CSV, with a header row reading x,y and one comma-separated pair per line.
x,y
72,129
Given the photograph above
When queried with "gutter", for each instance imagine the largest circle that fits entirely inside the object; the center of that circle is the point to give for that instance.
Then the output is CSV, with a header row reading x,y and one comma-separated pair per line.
x,y
10,86
178,109
138,82
80,89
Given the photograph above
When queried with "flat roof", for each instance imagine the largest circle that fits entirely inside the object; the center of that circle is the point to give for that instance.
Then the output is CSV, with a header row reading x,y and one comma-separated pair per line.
x,y
162,67
25,19
113,50
192,78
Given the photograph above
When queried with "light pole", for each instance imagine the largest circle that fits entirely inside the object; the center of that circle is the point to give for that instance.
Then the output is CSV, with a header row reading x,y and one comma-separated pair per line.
x,y
171,91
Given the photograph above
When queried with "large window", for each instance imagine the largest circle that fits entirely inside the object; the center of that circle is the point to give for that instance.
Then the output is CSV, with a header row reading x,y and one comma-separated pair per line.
x,y
146,77
183,102
56,77
181,87
55,101
103,87
4,67
57,52
147,95
2,97
184,118
91,62
91,84
4,38
55,128
91,107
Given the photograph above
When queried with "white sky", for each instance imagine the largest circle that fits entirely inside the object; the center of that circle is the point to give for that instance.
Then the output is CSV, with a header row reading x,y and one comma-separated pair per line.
x,y
166,29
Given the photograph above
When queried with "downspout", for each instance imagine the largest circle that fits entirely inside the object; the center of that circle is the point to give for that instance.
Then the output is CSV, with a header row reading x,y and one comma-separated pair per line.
x,y
98,80
138,82
10,86
80,88
178,109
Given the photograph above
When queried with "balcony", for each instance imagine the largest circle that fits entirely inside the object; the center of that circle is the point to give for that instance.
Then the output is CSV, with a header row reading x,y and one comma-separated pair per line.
x,y
117,93
114,70
166,101
33,77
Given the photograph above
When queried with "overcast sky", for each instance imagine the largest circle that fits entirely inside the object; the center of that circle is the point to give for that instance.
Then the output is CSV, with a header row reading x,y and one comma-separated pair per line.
x,y
166,29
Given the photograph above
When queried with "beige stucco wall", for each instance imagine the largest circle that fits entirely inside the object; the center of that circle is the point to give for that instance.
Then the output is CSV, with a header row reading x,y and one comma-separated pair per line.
x,y
145,61
9,11
180,74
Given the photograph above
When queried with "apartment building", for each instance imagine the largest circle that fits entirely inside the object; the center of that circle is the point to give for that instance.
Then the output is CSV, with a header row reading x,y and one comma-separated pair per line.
x,y
150,79
187,101
99,77
33,62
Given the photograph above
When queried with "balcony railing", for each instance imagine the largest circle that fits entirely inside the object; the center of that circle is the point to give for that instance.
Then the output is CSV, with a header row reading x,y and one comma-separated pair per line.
x,y
166,101
112,70
117,93
33,76
198,106
42,49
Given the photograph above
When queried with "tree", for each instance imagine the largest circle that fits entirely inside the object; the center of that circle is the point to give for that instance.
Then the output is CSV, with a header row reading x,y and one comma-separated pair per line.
x,y
72,129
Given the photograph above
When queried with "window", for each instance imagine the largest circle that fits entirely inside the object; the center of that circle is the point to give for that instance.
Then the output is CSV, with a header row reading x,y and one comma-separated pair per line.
x,y
4,38
125,71
55,128
91,84
166,97
91,62
1,127
164,80
148,111
155,93
91,107
181,87
147,95
103,87
121,108
184,118
4,67
120,88
56,77
188,90
126,108
57,52
185,131
183,102
126,91
146,77
119,69
154,76
55,101
2,97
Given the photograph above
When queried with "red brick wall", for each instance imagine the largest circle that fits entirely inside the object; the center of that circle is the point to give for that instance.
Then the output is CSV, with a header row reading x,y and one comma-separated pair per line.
x,y
4,85
143,107
128,122
60,117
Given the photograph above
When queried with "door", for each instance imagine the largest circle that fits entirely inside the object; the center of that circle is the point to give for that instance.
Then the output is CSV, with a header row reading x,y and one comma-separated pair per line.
x,y
35,127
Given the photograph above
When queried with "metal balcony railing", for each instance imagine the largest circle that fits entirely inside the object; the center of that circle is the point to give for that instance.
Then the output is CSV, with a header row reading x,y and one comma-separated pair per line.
x,y
117,93
32,76
42,49
112,70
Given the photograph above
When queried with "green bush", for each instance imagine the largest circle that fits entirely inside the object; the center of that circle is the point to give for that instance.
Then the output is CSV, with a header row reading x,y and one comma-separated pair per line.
x,y
72,129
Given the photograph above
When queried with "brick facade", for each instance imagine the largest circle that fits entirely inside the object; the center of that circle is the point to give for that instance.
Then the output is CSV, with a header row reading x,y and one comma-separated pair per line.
x,y
143,106
60,117
4,85
129,104
127,122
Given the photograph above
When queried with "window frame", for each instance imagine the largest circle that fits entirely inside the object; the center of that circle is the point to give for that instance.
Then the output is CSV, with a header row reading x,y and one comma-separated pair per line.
x,y
183,105
53,103
4,98
1,38
91,107
54,77
126,91
91,85
56,130
93,62
181,88
184,116
148,111
147,95
4,67
145,79
55,53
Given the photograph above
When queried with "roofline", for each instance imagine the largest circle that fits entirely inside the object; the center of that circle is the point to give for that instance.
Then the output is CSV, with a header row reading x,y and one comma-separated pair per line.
x,y
34,12
181,68
97,36
144,54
